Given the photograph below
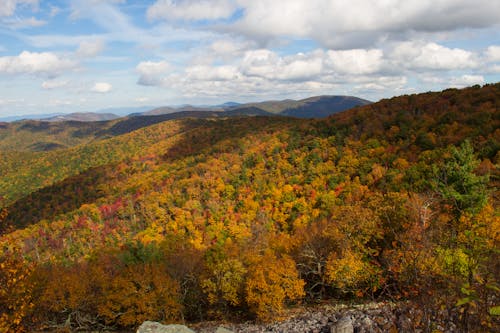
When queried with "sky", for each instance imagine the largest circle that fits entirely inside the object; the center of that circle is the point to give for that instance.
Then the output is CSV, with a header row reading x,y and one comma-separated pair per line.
x,y
86,55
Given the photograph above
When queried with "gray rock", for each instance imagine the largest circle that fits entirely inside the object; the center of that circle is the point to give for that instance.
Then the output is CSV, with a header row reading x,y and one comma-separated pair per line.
x,y
154,327
344,325
223,330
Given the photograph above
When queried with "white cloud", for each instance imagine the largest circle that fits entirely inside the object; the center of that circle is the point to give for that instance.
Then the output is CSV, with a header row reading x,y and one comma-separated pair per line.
x,y
432,56
88,49
228,49
53,84
360,23
263,72
467,80
101,87
267,64
357,61
381,83
493,53
151,73
191,10
8,7
209,73
45,64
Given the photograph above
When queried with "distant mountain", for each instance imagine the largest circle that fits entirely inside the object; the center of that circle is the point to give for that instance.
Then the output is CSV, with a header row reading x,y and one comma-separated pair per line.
x,y
29,116
43,135
323,106
313,107
275,107
171,109
227,105
83,116
155,111
125,111
115,112
69,130
246,111
36,135
132,123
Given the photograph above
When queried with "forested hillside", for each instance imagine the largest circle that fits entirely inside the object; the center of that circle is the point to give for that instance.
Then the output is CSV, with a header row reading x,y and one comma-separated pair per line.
x,y
239,218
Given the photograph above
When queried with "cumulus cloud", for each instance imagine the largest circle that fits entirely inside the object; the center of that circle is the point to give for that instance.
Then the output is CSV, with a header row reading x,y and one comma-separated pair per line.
x,y
357,61
8,7
209,73
493,53
466,80
101,87
267,64
361,23
191,10
151,73
432,56
44,63
263,71
89,49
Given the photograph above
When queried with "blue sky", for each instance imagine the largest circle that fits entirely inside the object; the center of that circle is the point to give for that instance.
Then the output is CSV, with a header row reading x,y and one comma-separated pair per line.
x,y
86,55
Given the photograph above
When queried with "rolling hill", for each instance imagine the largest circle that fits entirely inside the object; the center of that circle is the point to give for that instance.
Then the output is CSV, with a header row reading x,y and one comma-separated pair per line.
x,y
64,131
82,116
239,217
313,107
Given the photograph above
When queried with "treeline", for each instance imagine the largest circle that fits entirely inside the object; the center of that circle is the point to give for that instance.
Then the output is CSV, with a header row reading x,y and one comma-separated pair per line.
x,y
243,217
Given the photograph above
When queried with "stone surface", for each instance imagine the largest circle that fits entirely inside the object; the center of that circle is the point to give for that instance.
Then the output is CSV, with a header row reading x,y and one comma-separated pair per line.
x,y
344,325
154,327
221,329
380,317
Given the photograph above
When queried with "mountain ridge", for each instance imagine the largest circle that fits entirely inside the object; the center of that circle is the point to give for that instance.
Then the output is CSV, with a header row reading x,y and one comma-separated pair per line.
x,y
240,217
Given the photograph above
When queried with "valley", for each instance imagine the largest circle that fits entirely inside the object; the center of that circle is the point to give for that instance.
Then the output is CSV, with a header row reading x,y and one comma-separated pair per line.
x,y
192,216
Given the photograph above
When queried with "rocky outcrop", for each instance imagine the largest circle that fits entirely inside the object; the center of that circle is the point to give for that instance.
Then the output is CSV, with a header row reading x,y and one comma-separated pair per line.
x,y
223,330
367,318
344,325
153,327
371,318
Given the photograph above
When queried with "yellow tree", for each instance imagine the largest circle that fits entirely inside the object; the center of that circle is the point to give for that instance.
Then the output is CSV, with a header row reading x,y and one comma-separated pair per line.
x,y
16,288
272,281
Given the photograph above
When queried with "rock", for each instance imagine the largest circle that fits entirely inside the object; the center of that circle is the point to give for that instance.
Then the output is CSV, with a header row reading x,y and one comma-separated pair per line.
x,y
366,324
223,330
344,325
154,327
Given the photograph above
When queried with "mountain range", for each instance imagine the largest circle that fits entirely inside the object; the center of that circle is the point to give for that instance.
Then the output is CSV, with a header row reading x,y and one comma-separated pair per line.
x,y
313,107
197,215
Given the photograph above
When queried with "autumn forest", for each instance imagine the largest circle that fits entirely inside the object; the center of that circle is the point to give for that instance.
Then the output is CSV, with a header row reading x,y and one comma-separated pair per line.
x,y
104,225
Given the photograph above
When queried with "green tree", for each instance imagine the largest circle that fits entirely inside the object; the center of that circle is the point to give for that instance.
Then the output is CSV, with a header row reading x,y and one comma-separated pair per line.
x,y
458,184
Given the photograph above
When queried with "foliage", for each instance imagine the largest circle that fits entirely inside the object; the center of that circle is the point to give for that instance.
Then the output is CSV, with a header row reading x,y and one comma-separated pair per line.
x,y
272,281
213,218
16,294
457,182
139,293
